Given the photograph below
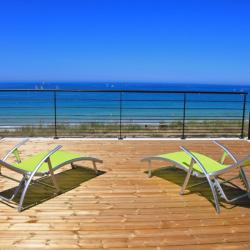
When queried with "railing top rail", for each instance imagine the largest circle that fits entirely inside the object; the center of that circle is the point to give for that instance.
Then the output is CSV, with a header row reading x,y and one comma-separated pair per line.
x,y
128,91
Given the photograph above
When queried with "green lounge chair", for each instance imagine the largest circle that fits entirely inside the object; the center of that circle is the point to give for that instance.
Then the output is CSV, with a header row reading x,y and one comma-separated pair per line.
x,y
202,166
40,165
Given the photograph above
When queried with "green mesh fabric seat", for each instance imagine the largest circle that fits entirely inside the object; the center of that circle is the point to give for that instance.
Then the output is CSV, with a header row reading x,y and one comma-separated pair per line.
x,y
200,165
58,158
183,160
41,164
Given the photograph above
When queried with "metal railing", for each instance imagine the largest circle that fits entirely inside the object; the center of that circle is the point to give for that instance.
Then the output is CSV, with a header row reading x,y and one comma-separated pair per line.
x,y
122,113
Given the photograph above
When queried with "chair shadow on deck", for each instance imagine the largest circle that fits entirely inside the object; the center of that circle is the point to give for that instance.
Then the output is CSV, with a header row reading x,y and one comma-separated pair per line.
x,y
67,180
177,177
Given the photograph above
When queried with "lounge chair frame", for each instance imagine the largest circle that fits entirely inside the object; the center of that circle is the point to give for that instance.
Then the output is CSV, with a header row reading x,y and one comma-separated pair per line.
x,y
29,177
213,179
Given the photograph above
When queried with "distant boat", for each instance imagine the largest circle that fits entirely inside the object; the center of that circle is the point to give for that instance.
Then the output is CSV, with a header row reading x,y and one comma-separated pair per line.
x,y
40,87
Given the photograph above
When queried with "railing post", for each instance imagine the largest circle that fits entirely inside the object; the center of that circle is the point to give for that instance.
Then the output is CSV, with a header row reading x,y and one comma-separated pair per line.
x,y
184,117
120,131
243,117
248,136
55,115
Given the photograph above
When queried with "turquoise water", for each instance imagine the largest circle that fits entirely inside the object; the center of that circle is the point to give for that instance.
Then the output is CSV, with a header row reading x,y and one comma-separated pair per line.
x,y
37,108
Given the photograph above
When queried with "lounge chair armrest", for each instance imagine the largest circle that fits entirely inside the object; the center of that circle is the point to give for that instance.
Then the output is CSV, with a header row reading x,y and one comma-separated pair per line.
x,y
226,152
14,151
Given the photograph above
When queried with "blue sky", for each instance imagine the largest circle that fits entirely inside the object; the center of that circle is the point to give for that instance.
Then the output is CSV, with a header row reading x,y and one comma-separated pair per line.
x,y
203,41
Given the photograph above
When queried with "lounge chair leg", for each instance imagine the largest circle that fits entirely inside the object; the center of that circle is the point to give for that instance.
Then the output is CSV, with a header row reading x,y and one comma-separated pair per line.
x,y
53,176
18,188
187,177
149,169
73,166
26,186
220,190
245,181
186,181
95,168
216,201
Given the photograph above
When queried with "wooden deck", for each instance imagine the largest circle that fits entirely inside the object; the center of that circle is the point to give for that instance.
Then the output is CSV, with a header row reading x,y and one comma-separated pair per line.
x,y
123,208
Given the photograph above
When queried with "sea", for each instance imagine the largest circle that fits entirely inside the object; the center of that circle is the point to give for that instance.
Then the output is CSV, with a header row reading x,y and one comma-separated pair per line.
x,y
44,107
127,86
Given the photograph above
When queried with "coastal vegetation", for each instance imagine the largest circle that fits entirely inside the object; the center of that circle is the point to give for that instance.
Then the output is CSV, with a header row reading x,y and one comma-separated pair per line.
x,y
199,128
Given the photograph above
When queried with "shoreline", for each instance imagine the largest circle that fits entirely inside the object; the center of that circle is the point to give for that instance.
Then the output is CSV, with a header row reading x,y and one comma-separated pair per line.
x,y
195,129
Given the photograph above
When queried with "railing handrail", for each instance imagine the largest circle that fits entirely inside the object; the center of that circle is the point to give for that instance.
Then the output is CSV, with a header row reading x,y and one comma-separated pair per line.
x,y
128,91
